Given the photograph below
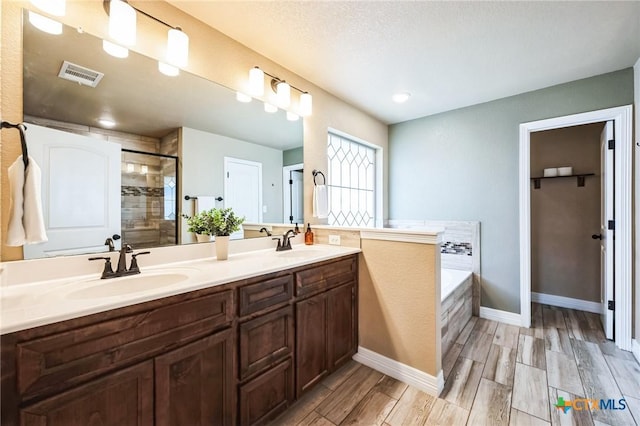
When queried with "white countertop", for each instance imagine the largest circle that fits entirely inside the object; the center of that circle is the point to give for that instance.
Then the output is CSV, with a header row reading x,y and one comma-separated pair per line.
x,y
45,302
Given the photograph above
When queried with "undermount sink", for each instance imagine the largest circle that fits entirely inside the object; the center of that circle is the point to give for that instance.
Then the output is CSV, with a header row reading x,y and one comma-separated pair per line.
x,y
127,285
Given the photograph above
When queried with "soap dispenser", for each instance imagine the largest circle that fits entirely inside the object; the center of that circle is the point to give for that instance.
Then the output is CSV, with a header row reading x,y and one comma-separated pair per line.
x,y
308,235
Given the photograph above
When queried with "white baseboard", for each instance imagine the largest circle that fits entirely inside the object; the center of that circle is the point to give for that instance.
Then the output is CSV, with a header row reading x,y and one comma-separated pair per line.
x,y
500,316
635,349
399,371
566,302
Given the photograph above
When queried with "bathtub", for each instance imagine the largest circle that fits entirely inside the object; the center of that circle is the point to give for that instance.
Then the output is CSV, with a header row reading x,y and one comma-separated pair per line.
x,y
450,279
456,288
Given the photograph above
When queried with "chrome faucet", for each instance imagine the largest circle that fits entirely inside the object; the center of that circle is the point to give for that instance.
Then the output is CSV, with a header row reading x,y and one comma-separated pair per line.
x,y
286,241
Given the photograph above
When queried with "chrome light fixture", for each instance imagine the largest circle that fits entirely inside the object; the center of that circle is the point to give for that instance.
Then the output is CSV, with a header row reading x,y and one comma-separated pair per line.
x,y
283,94
122,30
282,91
177,47
256,82
122,22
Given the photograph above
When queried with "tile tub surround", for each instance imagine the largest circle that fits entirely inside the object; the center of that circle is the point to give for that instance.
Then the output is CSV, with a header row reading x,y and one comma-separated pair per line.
x,y
455,313
460,247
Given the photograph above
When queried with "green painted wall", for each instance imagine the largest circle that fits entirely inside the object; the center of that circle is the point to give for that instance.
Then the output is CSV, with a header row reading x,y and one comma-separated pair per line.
x,y
468,168
292,156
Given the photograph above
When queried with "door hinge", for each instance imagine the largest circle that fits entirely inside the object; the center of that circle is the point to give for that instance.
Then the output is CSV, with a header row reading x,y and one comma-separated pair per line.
x,y
611,225
611,305
227,175
612,143
291,219
290,181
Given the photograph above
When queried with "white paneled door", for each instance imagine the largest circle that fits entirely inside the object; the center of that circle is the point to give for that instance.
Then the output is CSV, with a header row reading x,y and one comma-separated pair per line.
x,y
243,189
80,191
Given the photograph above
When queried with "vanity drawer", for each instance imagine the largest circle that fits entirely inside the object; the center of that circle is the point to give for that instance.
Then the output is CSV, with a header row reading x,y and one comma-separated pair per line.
x,y
326,276
264,294
73,356
266,340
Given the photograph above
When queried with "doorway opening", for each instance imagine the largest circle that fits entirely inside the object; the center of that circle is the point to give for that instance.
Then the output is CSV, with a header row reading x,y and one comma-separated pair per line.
x,y
292,190
566,237
621,120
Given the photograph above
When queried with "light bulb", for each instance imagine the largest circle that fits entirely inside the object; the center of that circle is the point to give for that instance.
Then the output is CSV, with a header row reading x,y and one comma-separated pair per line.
x,y
114,50
292,117
177,48
144,169
241,97
122,22
130,168
283,93
167,69
305,104
256,82
45,24
52,7
270,108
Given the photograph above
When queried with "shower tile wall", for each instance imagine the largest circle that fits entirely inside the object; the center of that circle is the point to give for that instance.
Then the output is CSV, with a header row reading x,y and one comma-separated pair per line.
x,y
144,223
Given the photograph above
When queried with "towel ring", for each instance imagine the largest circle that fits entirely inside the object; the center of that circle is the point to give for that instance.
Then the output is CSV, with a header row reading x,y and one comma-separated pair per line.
x,y
316,173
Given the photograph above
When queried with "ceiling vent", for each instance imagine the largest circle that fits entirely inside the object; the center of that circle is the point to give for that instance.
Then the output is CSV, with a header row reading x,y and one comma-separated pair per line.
x,y
78,74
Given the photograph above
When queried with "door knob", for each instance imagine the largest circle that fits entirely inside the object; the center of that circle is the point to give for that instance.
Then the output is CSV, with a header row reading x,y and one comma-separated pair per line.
x,y
597,236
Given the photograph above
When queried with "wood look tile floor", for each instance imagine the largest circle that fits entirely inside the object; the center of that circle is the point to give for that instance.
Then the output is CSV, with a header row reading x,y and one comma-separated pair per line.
x,y
495,374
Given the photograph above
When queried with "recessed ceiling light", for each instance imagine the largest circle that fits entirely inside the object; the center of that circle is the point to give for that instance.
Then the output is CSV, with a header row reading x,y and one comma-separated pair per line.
x,y
401,97
106,122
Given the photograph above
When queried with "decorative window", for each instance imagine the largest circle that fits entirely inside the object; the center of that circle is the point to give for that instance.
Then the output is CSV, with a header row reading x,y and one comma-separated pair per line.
x,y
351,182
170,197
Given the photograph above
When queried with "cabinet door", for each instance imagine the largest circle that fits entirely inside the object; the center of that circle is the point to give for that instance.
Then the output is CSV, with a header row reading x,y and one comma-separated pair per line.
x,y
341,324
194,384
311,337
124,398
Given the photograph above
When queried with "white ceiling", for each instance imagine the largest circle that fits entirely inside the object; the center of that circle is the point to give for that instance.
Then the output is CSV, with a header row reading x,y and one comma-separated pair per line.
x,y
446,54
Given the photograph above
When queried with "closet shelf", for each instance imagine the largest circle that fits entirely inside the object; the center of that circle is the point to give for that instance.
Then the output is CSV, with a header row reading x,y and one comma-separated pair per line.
x,y
580,179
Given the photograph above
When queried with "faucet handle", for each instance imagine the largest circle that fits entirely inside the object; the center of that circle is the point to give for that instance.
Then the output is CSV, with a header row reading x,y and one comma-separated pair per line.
x,y
279,243
108,270
134,269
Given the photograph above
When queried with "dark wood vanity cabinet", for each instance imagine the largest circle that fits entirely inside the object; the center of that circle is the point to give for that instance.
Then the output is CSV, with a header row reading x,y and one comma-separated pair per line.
x,y
238,353
326,321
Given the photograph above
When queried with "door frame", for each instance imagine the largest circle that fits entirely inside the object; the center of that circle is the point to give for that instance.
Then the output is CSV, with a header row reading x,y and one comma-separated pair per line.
x,y
622,117
286,196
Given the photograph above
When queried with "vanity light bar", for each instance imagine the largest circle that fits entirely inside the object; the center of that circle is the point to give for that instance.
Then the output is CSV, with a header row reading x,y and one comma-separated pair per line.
x,y
122,29
282,90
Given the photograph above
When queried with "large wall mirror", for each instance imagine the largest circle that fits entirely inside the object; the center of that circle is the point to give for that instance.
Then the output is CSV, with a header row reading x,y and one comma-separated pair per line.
x,y
169,137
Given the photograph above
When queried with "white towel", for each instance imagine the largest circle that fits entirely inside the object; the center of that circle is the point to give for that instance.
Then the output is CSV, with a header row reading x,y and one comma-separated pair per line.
x,y
205,202
320,202
26,222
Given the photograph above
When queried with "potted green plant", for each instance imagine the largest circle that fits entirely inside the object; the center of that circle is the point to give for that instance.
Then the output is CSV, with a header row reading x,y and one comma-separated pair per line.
x,y
219,223
198,224
223,223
